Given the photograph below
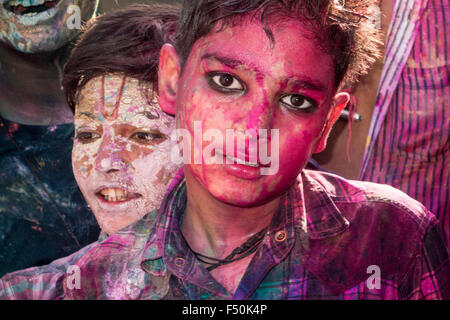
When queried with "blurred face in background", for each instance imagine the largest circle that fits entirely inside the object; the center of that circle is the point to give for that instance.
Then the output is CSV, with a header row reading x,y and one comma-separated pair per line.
x,y
121,153
33,26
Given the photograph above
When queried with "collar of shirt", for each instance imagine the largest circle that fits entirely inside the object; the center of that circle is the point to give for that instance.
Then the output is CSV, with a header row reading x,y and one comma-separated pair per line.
x,y
306,205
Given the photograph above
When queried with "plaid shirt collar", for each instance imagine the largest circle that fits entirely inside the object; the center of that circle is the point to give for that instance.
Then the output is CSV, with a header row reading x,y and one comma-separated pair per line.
x,y
306,205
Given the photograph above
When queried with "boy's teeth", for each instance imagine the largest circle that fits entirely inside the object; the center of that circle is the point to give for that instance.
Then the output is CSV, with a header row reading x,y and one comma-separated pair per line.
x,y
239,161
113,194
26,3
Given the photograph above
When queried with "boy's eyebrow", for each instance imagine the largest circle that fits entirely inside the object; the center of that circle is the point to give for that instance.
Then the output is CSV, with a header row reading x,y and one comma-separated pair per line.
x,y
308,83
86,114
303,82
149,114
230,62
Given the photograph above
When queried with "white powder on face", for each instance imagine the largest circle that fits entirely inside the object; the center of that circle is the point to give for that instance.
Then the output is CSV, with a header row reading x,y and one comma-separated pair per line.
x,y
141,166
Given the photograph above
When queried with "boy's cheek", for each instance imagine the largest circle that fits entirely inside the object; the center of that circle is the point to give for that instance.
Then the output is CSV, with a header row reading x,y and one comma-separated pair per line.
x,y
82,160
83,167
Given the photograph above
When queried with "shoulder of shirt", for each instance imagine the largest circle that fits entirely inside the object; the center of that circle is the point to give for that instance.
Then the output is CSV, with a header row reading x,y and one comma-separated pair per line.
x,y
113,257
55,267
363,194
132,238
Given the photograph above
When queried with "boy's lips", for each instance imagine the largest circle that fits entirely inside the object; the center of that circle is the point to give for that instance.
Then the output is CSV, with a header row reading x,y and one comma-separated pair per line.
x,y
239,168
242,159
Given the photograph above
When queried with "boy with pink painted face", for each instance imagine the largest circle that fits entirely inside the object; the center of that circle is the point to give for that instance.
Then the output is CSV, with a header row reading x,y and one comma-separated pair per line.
x,y
271,72
234,225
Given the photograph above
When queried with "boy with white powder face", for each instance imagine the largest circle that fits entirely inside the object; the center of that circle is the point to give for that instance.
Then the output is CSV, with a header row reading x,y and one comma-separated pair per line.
x,y
121,152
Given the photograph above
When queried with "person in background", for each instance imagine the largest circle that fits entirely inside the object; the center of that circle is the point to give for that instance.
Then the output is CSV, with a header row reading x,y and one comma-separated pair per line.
x,y
43,215
402,138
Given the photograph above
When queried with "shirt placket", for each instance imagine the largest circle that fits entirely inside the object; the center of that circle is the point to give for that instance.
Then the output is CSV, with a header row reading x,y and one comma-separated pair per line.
x,y
181,261
277,245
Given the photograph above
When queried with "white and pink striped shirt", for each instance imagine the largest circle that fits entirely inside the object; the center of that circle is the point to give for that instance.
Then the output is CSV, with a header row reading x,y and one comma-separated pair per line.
x,y
408,142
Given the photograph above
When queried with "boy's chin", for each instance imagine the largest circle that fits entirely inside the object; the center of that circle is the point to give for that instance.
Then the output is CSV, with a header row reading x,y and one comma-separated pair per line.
x,y
244,196
235,191
246,202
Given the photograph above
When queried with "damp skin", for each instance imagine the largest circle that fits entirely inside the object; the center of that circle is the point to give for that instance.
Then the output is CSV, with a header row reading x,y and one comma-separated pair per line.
x,y
43,32
263,76
121,143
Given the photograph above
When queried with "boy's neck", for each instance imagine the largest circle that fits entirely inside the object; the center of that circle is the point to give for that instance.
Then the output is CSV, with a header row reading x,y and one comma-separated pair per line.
x,y
31,91
215,228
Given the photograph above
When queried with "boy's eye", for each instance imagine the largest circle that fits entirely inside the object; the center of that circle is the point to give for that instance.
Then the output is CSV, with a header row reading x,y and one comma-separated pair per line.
x,y
146,137
87,137
298,102
225,82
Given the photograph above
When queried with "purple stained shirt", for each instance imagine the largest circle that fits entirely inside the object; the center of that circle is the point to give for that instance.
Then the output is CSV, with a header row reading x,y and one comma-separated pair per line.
x,y
340,240
408,146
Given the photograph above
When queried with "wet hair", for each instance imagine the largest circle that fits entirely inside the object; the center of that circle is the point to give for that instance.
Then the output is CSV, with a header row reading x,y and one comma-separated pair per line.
x,y
126,41
339,27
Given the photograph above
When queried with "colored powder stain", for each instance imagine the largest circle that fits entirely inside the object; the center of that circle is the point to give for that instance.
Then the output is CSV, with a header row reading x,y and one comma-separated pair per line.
x,y
13,127
365,254
112,94
153,248
133,109
41,163
254,116
101,118
367,142
37,228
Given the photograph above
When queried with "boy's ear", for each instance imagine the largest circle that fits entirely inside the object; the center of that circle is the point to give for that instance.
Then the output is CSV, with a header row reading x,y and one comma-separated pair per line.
x,y
339,102
168,75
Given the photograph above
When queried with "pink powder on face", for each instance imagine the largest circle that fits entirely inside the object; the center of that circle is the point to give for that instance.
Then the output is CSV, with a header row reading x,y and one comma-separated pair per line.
x,y
268,73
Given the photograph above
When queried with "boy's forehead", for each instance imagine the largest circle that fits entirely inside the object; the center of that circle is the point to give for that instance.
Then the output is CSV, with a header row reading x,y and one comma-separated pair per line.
x,y
293,52
112,95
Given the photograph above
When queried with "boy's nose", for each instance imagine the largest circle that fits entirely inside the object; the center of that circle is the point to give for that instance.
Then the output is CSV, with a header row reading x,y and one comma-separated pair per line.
x,y
111,156
260,116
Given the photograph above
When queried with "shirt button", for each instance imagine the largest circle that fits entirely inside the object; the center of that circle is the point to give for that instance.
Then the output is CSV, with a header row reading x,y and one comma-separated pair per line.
x,y
280,236
179,262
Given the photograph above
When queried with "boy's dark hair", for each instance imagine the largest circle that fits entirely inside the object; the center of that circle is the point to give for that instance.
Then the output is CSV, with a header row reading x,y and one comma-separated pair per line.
x,y
339,27
125,41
